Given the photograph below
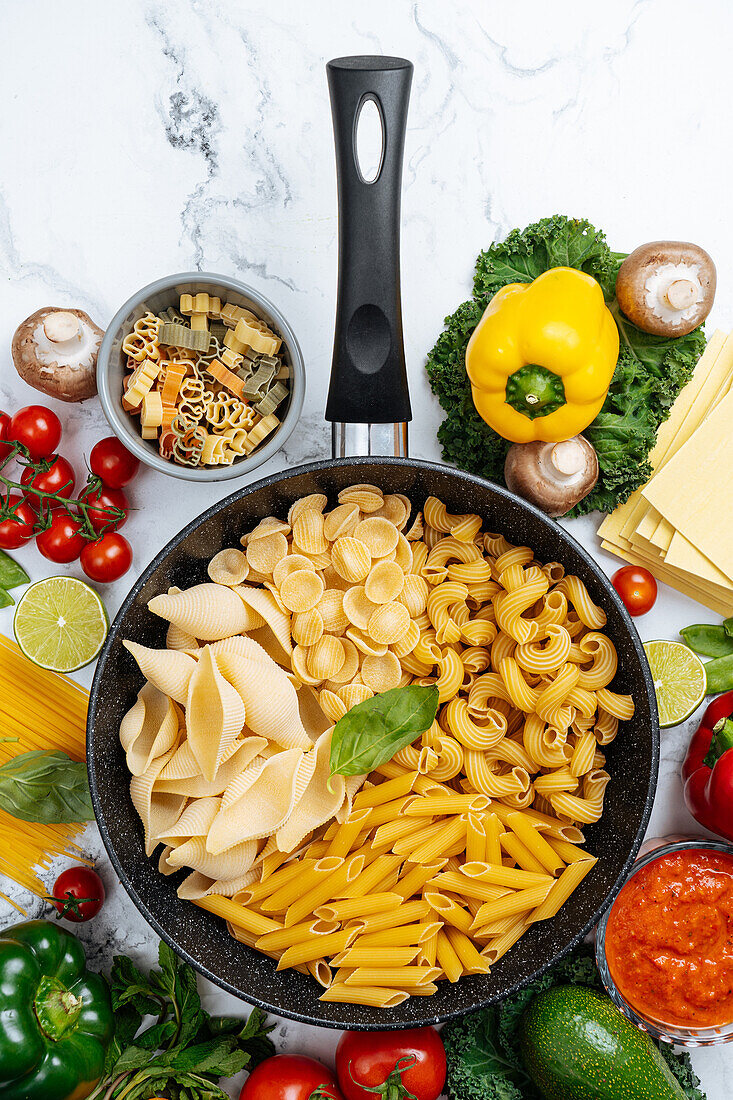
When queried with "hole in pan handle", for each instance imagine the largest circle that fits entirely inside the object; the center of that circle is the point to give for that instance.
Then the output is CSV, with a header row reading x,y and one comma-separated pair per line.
x,y
368,399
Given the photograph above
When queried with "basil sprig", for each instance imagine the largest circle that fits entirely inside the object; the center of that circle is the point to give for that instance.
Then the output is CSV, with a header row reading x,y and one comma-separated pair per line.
x,y
46,787
373,731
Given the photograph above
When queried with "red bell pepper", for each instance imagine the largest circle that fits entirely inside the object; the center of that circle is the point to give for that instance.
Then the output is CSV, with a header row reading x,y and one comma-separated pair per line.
x,y
707,772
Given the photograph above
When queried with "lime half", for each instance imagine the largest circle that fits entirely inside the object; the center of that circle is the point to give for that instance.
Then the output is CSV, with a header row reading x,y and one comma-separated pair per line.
x,y
60,623
679,680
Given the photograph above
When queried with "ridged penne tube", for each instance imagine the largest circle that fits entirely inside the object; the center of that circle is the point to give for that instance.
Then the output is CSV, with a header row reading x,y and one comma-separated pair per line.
x,y
370,880
325,889
410,913
290,889
564,886
167,669
359,955
451,833
232,911
453,882
447,958
317,948
437,805
283,938
448,910
499,946
254,894
471,960
403,935
362,995
512,877
397,977
208,611
345,836
521,855
521,901
354,908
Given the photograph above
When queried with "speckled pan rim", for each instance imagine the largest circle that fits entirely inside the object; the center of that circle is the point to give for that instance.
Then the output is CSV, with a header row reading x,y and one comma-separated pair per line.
x,y
110,401
611,594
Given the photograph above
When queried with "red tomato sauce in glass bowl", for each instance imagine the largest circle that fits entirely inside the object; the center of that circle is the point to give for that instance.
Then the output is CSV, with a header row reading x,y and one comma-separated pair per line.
x,y
669,938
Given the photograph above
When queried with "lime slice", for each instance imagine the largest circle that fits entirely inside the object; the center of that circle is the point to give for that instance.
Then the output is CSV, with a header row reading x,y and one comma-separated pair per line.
x,y
679,680
60,623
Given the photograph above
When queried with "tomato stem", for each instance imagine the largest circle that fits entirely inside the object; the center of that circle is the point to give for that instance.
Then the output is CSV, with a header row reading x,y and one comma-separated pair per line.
x,y
393,1087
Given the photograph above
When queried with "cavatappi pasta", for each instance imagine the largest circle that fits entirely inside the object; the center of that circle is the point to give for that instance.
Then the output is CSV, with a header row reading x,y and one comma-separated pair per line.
x,y
205,380
435,865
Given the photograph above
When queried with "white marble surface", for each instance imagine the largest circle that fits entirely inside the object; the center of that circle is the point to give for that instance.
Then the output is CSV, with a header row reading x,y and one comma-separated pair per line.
x,y
142,138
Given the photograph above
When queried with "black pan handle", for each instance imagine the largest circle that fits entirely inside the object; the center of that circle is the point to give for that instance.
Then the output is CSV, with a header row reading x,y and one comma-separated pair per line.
x,y
368,374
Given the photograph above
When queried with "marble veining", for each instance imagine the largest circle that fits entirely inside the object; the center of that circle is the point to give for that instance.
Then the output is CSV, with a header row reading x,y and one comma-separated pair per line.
x,y
155,136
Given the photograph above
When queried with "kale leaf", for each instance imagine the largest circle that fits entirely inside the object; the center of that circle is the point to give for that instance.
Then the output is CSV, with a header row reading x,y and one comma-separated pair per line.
x,y
482,1049
651,370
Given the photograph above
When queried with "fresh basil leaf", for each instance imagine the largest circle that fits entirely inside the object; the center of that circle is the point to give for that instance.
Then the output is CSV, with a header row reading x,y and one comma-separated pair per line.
x,y
45,787
11,573
6,600
728,627
373,731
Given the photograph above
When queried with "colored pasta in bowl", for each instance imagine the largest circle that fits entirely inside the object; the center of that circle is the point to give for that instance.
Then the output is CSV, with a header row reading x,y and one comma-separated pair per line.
x,y
437,862
206,380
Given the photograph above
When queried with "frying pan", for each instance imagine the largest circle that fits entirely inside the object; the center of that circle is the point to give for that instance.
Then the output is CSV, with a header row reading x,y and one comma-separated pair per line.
x,y
369,407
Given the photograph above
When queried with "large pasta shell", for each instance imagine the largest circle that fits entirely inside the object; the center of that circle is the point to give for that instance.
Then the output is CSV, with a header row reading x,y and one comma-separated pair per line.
x,y
148,729
195,786
208,611
167,669
195,820
158,812
214,714
320,801
200,886
175,637
265,805
270,700
243,646
276,627
230,864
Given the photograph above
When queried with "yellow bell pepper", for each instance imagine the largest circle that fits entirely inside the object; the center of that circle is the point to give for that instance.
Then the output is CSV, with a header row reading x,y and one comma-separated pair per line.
x,y
542,357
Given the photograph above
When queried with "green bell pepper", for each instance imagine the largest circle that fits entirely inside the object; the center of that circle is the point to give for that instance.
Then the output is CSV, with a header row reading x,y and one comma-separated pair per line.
x,y
55,1017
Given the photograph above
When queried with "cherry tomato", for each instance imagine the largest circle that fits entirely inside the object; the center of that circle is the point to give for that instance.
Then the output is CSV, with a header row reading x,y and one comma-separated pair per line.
x,y
61,542
78,894
58,478
414,1059
105,498
38,429
290,1077
4,428
17,529
107,559
113,463
636,587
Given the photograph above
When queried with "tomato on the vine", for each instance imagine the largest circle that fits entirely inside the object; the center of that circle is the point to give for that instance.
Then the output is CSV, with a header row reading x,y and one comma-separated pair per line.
x,y
104,498
405,1063
112,462
62,540
58,478
78,894
38,429
290,1077
636,587
16,529
5,449
107,558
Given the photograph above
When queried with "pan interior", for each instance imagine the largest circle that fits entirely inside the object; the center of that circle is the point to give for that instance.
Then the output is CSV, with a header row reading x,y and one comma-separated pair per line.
x,y
202,938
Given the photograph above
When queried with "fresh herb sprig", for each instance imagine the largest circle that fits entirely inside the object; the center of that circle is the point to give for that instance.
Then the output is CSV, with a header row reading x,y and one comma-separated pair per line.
x,y
45,786
373,731
184,1051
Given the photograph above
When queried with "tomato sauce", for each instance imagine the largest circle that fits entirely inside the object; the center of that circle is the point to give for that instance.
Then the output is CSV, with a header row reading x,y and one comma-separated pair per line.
x,y
669,939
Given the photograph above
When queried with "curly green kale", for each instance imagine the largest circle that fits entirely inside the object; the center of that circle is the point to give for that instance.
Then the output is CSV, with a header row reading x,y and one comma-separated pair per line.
x,y
651,370
482,1049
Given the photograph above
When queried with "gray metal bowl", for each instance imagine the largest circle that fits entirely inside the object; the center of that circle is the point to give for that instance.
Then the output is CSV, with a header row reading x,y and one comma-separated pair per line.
x,y
157,296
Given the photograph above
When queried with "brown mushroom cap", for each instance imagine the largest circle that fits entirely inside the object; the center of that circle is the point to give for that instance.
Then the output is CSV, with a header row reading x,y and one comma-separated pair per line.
x,y
57,356
552,476
666,287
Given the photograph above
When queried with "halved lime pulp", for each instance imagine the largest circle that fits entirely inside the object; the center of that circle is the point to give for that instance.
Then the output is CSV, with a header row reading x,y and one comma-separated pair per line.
x,y
679,680
60,623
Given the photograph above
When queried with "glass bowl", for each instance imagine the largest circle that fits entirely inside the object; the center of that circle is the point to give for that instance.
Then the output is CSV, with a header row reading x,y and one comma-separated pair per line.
x,y
668,1033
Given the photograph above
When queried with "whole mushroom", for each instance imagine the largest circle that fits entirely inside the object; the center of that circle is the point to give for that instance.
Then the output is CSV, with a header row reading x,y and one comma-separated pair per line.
x,y
553,476
666,287
55,351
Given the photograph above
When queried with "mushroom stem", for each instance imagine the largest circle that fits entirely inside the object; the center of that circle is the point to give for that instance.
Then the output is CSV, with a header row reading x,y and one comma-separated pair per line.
x,y
63,330
568,458
681,294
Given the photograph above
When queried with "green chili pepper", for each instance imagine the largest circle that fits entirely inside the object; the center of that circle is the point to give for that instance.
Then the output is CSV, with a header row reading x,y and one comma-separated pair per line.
x,y
710,641
719,675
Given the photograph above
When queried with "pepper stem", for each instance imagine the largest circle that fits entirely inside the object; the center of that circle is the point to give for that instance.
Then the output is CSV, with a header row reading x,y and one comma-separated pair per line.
x,y
535,391
57,1008
721,742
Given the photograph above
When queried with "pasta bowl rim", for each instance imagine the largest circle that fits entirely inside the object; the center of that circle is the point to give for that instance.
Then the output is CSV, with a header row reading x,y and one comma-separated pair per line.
x,y
474,1000
111,400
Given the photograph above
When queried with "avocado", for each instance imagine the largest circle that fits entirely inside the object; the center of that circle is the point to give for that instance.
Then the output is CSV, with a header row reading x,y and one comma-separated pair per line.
x,y
576,1045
